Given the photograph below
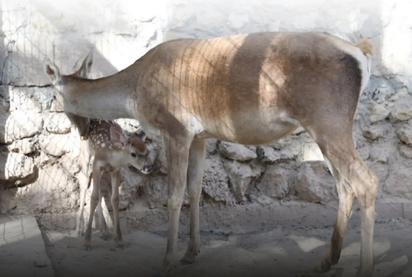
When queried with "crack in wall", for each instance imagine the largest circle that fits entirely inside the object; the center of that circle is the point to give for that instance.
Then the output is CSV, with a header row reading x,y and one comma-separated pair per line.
x,y
26,85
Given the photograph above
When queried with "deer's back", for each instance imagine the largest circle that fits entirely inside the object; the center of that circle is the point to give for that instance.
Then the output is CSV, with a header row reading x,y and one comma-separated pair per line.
x,y
258,78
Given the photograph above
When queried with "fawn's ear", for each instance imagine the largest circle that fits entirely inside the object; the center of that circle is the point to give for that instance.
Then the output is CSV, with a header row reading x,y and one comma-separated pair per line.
x,y
53,72
117,136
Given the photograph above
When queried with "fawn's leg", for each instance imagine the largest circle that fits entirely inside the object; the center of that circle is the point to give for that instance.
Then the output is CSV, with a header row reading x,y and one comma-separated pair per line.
x,y
105,185
115,206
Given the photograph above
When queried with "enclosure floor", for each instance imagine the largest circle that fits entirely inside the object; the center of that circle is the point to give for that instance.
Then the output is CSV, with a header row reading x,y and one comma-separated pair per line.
x,y
22,251
285,250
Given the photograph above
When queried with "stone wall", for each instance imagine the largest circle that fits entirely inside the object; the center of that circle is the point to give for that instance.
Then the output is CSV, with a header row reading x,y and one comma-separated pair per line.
x,y
41,161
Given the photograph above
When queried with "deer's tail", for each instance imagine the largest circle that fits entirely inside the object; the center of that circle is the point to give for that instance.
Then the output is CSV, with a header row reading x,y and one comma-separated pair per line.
x,y
366,46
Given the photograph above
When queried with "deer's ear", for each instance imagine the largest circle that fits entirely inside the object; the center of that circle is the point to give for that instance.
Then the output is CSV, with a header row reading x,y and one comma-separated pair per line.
x,y
87,63
49,70
85,66
53,72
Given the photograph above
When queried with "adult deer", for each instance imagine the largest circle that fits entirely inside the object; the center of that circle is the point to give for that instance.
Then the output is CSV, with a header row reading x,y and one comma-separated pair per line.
x,y
249,89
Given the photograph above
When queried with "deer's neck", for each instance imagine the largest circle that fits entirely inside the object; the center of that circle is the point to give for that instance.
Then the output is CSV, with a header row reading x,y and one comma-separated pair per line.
x,y
104,98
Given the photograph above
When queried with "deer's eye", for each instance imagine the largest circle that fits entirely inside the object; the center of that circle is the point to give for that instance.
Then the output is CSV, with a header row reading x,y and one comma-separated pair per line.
x,y
133,155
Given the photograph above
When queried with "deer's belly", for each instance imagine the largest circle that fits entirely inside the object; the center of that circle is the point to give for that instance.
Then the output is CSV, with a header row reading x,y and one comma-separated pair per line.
x,y
249,128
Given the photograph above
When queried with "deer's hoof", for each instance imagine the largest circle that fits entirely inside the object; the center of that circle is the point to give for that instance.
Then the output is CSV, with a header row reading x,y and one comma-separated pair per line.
x,y
365,273
120,244
169,265
189,257
105,235
325,265
87,246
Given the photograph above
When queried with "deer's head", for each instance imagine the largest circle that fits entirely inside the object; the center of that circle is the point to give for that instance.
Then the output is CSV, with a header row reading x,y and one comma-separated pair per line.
x,y
58,79
55,77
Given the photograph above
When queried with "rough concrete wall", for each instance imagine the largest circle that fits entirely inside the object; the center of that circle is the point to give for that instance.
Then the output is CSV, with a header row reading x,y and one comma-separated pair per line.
x,y
40,159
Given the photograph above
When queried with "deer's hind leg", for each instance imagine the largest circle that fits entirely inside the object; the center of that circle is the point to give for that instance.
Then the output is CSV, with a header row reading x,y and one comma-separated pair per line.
x,y
354,179
346,197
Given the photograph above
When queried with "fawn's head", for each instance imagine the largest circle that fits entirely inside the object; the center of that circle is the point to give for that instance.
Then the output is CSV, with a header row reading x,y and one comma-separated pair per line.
x,y
142,153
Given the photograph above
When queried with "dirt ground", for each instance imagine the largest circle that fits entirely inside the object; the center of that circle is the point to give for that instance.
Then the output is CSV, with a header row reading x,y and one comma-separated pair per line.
x,y
293,248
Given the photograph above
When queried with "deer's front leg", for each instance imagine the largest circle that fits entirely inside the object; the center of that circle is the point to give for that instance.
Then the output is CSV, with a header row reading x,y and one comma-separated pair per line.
x,y
84,182
194,184
177,158
94,200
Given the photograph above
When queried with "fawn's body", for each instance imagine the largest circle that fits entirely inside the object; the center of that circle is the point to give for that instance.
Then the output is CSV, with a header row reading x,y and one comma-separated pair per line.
x,y
112,151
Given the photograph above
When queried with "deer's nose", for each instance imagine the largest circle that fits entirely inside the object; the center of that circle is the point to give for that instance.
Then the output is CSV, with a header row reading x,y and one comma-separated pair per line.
x,y
147,169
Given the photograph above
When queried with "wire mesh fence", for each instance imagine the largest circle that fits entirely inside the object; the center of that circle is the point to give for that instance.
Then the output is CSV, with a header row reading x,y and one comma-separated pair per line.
x,y
35,147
